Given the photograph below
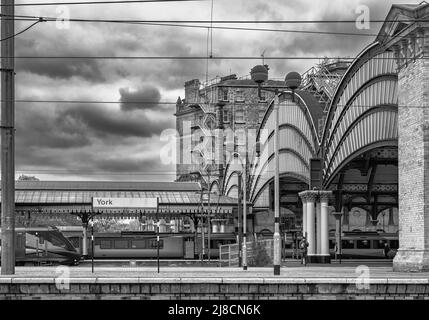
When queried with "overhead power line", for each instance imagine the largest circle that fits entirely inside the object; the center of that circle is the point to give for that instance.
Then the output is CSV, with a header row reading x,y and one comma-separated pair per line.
x,y
22,31
236,21
203,58
209,26
37,4
174,103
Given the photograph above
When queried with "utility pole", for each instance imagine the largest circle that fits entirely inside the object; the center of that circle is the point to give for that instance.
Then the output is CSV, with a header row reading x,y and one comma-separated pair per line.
x,y
209,216
7,138
244,262
276,237
239,223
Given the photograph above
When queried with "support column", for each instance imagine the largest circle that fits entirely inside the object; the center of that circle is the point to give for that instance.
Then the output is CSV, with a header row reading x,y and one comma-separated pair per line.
x,y
85,240
413,140
308,199
318,228
324,227
304,216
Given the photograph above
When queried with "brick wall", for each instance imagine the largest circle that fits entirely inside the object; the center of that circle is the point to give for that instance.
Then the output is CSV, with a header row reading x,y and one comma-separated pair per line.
x,y
413,166
213,289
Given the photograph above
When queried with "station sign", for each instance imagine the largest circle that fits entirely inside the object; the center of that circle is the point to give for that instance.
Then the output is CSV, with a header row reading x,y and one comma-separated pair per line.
x,y
115,203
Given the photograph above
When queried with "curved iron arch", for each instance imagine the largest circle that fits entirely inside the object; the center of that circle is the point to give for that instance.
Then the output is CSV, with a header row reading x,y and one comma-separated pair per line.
x,y
363,87
225,182
287,174
364,56
213,183
374,145
304,107
364,115
233,186
297,130
283,150
235,172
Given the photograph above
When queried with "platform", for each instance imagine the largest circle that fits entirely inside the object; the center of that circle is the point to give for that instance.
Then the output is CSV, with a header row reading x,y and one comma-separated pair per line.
x,y
353,281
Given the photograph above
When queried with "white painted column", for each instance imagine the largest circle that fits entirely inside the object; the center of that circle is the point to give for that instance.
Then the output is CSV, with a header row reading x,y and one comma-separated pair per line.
x,y
311,234
324,228
304,217
318,227
85,240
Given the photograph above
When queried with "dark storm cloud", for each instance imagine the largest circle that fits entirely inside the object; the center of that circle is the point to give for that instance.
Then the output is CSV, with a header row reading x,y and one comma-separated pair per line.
x,y
145,97
37,126
90,70
46,42
125,164
101,121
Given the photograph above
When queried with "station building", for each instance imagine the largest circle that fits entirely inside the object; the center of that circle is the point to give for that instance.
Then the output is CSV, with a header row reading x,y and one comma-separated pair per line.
x,y
183,206
368,130
353,141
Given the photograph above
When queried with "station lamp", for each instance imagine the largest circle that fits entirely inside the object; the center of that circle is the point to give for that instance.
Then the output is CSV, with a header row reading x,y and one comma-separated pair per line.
x,y
259,74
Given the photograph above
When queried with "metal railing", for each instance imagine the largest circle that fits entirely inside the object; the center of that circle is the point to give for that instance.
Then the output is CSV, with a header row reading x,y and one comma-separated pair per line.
x,y
259,253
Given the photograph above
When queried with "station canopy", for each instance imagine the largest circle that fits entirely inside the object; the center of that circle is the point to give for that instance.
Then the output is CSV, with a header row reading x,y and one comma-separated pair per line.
x,y
76,196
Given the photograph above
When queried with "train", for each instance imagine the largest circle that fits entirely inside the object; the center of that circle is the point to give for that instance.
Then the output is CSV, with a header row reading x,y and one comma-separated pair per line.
x,y
43,246
355,245
135,244
138,244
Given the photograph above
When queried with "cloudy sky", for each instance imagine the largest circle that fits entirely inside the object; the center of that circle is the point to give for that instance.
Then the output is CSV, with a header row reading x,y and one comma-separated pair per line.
x,y
121,140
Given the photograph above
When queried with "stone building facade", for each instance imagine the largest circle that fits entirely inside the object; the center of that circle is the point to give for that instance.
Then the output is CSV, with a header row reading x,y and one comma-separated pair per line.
x,y
212,121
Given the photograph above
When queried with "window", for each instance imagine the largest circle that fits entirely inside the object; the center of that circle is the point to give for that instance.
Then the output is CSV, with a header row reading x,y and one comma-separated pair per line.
x,y
121,244
239,96
223,94
239,116
379,244
153,244
261,115
138,244
105,244
363,244
348,244
394,244
225,116
263,96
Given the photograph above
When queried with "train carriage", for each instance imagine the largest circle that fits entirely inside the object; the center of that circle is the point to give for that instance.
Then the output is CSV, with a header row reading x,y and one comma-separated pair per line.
x,y
43,245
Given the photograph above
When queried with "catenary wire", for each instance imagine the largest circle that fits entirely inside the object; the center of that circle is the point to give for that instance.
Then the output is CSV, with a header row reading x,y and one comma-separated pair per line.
x,y
38,4
137,22
174,103
22,31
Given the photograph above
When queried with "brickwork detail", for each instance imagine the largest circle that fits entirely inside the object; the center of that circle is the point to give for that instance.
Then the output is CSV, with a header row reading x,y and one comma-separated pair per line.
x,y
215,291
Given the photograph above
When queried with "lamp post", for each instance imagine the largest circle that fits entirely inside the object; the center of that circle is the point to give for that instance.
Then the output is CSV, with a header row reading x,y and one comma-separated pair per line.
x,y
245,204
91,223
259,74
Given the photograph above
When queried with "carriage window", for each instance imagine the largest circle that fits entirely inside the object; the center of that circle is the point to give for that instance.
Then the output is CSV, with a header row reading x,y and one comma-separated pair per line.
x,y
363,244
139,244
379,244
153,245
348,244
105,244
121,244
394,244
